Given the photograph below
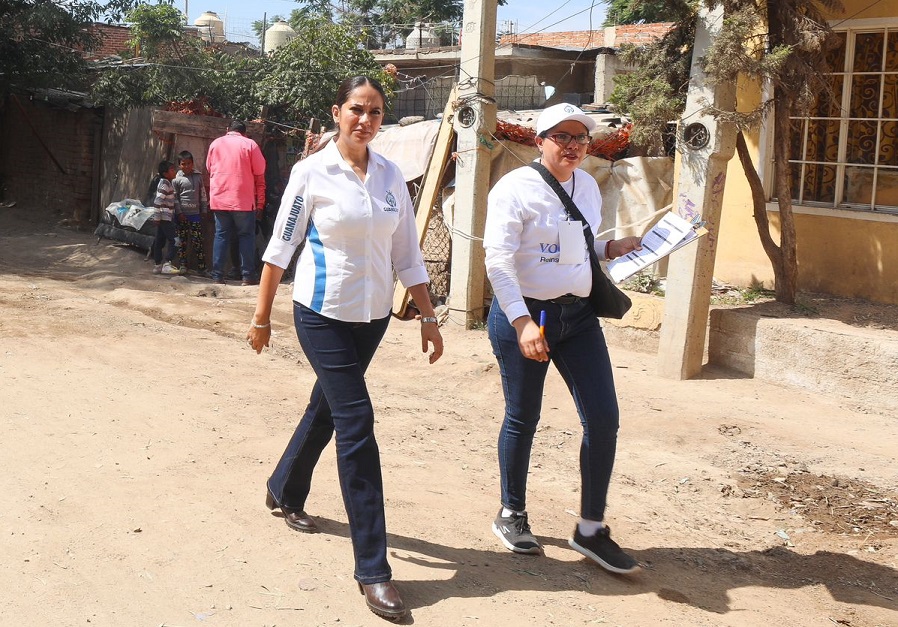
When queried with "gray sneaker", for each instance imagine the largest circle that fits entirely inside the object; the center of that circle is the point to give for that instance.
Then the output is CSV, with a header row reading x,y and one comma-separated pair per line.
x,y
603,551
514,532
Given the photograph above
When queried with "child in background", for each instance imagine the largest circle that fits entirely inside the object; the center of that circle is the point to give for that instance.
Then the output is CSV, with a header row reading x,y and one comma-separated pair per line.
x,y
166,204
193,200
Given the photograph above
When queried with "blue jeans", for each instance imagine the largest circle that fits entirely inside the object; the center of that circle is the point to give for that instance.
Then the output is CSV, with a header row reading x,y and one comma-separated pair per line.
x,y
165,239
339,353
578,350
227,224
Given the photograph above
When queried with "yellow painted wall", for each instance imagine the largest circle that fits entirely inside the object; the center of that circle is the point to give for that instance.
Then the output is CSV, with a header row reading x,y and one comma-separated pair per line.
x,y
843,256
846,257
862,9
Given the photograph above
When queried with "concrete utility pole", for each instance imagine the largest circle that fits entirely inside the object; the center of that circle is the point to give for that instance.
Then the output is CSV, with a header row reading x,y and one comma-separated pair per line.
x,y
475,122
705,148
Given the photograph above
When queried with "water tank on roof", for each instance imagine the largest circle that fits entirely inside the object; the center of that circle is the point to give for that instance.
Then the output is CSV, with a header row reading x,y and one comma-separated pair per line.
x,y
210,27
277,35
422,36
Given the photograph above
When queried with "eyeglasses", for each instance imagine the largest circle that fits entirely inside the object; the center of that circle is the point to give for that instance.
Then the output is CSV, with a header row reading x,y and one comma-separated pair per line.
x,y
563,139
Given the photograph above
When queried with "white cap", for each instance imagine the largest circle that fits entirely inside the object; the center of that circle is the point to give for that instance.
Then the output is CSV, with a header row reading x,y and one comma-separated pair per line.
x,y
556,114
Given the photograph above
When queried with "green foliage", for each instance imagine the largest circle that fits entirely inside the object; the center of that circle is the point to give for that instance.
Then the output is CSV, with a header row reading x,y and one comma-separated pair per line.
x,y
654,93
756,292
179,69
313,9
227,81
753,294
156,30
39,40
305,73
644,282
781,43
380,22
296,83
806,309
636,12
259,27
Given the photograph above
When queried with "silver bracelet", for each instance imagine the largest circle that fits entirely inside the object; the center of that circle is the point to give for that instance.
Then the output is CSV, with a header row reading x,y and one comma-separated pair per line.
x,y
260,326
429,319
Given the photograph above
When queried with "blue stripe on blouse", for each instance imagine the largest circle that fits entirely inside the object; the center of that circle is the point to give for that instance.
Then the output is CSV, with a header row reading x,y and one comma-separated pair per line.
x,y
320,269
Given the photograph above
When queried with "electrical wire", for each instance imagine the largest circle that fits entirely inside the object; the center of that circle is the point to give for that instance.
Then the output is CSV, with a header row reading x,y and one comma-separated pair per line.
x,y
856,13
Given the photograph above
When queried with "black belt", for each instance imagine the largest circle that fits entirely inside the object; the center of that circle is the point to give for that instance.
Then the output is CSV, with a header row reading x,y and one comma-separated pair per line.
x,y
567,299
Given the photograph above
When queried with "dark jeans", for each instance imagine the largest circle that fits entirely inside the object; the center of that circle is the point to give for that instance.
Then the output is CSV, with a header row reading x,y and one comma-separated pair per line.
x,y
243,225
340,352
165,237
577,348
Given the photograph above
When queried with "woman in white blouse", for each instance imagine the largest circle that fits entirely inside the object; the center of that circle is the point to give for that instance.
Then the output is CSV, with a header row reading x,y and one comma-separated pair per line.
x,y
352,209
537,263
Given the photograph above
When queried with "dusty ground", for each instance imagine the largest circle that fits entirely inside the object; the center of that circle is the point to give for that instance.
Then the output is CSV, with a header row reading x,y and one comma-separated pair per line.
x,y
138,431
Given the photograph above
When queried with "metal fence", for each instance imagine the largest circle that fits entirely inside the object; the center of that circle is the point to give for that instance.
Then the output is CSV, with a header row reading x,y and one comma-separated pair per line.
x,y
437,251
426,97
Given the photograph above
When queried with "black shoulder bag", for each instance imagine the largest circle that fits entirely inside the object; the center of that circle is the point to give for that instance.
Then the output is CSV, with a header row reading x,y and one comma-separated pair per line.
x,y
606,300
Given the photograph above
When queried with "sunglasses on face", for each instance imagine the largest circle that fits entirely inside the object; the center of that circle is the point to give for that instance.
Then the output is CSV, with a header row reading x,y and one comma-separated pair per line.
x,y
563,139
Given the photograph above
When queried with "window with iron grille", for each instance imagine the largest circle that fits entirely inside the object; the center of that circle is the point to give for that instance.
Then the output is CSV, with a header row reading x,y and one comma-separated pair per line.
x,y
845,153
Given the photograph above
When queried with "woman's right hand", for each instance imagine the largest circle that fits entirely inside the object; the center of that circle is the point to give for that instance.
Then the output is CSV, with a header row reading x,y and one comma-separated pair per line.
x,y
257,338
259,332
531,342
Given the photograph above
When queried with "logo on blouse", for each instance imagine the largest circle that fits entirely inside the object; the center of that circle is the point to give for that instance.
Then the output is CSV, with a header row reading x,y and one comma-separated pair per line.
x,y
295,212
391,202
549,249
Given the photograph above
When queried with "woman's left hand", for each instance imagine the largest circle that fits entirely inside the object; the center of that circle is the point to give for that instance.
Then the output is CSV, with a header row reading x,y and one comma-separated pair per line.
x,y
430,333
620,247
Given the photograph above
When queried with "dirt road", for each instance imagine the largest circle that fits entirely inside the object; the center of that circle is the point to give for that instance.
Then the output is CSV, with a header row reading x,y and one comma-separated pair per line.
x,y
138,430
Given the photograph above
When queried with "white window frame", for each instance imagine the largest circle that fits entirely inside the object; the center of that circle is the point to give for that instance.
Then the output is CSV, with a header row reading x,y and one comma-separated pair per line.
x,y
839,209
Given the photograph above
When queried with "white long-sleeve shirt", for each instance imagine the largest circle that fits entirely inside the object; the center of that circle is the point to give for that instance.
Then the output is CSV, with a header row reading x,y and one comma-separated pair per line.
x,y
522,243
358,233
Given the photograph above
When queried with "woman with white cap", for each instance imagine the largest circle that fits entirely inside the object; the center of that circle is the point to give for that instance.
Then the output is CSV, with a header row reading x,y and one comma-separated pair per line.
x,y
537,263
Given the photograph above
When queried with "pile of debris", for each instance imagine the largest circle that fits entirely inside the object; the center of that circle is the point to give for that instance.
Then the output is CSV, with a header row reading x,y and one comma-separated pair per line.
x,y
611,146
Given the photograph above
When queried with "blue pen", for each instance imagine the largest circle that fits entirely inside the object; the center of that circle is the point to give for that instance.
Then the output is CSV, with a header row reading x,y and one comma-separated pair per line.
x,y
542,324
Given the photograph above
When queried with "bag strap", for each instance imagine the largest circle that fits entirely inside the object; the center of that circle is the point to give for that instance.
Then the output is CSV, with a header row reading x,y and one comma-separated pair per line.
x,y
568,203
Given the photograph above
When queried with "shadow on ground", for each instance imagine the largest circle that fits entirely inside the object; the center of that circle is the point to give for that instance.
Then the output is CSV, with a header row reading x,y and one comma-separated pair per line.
x,y
701,577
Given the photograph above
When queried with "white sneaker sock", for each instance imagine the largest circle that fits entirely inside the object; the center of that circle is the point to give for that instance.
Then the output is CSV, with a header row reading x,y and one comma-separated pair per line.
x,y
508,512
589,527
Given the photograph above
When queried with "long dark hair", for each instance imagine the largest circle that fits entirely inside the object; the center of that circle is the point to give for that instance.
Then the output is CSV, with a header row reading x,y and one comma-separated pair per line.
x,y
351,84
154,183
348,86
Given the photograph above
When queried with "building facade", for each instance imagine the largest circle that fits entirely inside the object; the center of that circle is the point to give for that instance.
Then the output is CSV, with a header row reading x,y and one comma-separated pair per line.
x,y
844,160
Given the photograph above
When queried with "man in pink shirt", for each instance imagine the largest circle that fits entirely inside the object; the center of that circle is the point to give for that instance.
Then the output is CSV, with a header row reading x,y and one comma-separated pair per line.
x,y
236,194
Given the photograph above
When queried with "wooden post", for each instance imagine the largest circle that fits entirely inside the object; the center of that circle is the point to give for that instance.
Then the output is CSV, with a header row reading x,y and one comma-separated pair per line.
x,y
475,123
430,189
705,147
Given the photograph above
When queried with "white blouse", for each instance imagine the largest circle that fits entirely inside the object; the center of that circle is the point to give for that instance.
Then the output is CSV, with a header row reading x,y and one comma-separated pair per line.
x,y
521,239
355,235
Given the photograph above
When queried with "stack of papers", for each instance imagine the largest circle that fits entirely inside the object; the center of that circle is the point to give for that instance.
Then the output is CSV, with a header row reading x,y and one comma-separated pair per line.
x,y
669,234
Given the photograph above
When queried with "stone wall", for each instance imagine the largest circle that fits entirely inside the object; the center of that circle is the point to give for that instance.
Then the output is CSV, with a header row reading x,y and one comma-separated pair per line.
x,y
854,365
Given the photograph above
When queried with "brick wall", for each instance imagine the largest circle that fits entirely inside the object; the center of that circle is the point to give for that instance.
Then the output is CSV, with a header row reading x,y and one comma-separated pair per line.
x,y
31,176
113,38
628,34
640,33
569,39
